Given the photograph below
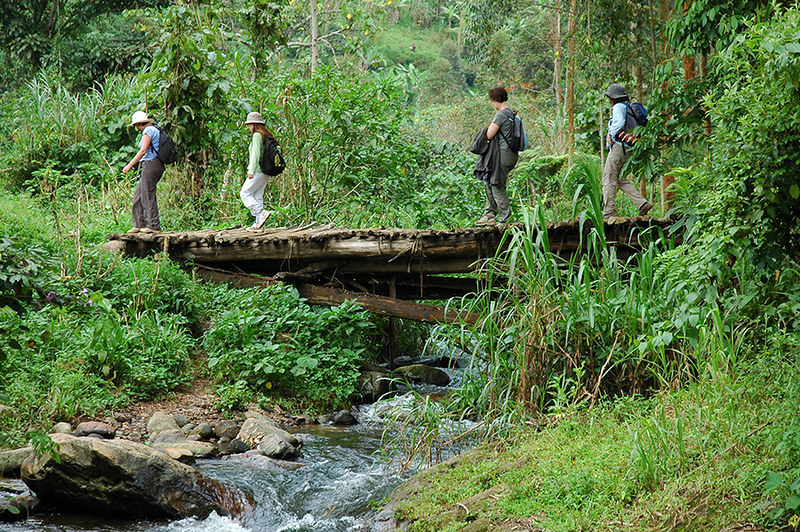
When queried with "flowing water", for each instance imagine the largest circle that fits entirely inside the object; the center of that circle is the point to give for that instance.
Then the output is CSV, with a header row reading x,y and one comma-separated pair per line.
x,y
342,474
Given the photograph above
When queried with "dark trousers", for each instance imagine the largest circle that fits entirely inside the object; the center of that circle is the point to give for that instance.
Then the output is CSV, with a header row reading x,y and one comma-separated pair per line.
x,y
145,206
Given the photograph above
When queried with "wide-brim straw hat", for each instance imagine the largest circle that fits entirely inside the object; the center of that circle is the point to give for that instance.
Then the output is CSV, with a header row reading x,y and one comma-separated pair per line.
x,y
254,118
139,117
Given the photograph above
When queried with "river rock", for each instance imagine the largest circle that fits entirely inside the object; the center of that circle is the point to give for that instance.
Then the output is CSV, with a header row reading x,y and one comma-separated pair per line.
x,y
228,429
126,479
198,449
17,507
237,446
160,421
344,417
255,414
89,428
204,430
181,455
254,431
424,374
169,436
61,428
180,419
373,385
11,461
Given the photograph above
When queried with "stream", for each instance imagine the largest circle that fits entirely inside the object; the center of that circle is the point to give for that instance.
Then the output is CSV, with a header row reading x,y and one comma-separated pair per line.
x,y
342,477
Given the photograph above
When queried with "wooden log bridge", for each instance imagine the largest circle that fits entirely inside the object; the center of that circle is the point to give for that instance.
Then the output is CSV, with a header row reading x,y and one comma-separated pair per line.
x,y
382,269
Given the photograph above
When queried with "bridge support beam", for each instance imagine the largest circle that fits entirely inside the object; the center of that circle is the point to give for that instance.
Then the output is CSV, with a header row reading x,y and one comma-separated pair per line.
x,y
330,296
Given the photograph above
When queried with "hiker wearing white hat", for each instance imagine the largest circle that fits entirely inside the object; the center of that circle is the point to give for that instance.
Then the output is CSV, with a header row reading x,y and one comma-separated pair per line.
x,y
145,206
252,192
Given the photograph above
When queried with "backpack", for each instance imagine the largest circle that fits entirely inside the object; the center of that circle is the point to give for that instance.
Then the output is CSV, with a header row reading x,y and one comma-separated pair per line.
x,y
519,139
637,112
272,161
166,153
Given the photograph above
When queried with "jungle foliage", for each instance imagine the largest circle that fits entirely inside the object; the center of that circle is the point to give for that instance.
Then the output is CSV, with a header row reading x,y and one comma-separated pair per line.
x,y
374,121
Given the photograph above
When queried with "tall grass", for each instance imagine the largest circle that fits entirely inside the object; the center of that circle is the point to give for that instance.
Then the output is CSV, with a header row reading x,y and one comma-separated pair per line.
x,y
556,333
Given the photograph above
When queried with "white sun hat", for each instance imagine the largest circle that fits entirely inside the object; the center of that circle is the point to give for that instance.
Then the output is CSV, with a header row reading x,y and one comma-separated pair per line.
x,y
139,117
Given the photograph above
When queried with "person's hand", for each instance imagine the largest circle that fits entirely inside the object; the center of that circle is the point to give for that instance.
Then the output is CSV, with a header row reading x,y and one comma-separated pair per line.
x,y
126,169
250,176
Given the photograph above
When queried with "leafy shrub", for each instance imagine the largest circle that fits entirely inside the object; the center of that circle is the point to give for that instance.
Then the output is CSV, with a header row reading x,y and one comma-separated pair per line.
x,y
276,344
757,112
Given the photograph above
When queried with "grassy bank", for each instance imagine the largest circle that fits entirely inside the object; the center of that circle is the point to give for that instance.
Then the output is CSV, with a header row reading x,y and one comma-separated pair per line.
x,y
708,456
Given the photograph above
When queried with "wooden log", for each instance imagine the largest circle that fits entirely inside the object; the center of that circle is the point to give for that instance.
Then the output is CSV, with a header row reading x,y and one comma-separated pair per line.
x,y
328,296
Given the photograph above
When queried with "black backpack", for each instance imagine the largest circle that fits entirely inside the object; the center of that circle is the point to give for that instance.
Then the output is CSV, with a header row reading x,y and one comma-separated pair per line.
x,y
166,153
272,161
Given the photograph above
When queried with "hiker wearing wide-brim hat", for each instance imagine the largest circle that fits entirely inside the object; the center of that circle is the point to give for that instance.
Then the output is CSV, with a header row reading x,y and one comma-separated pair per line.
x,y
254,118
145,206
612,182
252,192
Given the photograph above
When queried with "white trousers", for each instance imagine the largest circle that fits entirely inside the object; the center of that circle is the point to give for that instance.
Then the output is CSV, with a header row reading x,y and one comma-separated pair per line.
x,y
252,193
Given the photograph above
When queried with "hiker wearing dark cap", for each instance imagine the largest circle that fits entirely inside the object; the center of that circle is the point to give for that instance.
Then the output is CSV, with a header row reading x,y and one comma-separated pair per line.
x,y
620,121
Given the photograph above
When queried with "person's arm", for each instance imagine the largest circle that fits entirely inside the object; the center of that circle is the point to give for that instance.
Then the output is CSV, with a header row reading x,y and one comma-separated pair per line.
x,y
492,131
136,158
255,151
494,127
617,122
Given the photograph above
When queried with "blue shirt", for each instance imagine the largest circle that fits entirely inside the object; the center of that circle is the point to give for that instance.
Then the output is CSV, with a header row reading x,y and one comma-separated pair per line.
x,y
618,121
155,137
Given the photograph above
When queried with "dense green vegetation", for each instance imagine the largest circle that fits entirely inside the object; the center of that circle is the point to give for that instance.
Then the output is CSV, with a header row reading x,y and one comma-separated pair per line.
x,y
657,393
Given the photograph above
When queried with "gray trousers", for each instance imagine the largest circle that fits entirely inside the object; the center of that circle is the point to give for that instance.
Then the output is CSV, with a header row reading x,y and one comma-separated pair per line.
x,y
145,206
612,182
497,203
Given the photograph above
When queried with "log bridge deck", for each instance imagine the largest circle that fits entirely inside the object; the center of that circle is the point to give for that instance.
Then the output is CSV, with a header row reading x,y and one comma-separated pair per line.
x,y
382,269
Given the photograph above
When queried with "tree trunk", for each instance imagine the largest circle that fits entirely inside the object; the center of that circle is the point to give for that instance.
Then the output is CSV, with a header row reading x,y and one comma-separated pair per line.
x,y
314,38
557,53
688,60
571,80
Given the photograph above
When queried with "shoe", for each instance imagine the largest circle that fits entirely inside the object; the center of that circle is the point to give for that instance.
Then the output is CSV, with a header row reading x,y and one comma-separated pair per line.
x,y
260,219
134,230
148,230
644,209
486,220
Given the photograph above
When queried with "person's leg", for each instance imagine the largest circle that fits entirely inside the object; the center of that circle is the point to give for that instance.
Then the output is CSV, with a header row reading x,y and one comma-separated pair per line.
x,y
633,193
614,162
136,210
252,193
508,160
490,211
503,205
151,175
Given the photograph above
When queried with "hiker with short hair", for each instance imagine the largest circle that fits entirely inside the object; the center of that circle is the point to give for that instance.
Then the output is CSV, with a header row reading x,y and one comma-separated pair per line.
x,y
620,121
252,192
145,205
498,207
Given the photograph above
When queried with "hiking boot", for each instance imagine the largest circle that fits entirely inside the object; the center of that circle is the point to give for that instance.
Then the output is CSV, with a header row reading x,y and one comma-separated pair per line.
x,y
260,220
134,230
644,209
486,220
148,230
